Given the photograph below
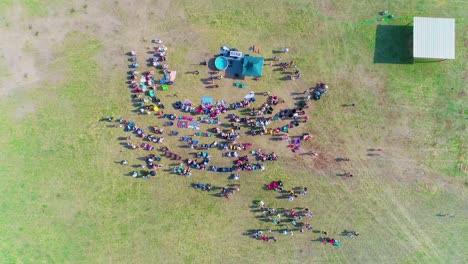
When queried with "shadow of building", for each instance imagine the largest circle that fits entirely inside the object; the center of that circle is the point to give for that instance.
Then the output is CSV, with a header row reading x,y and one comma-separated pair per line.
x,y
393,44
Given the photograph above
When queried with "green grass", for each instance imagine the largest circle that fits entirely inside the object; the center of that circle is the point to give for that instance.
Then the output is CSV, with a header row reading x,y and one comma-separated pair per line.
x,y
37,8
4,5
4,73
65,200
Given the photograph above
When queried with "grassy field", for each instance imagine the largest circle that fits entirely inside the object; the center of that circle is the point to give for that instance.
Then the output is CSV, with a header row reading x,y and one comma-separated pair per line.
x,y
64,198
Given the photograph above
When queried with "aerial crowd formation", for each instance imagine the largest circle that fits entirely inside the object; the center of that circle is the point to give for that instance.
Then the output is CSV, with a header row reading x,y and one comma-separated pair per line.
x,y
245,155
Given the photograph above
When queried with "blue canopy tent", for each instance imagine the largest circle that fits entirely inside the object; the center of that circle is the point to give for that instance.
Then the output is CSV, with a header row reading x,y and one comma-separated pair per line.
x,y
252,66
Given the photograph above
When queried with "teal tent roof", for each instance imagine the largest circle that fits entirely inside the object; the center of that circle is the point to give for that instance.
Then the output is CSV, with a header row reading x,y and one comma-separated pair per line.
x,y
252,66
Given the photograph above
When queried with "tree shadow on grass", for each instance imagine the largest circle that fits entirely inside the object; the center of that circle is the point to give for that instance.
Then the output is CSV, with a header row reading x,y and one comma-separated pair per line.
x,y
393,44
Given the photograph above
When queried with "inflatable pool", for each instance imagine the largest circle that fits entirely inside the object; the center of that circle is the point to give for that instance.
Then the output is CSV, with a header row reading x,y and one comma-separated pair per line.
x,y
221,63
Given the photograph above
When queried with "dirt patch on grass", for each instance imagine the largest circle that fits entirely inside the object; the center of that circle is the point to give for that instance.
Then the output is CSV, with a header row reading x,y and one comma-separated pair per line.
x,y
33,42
24,109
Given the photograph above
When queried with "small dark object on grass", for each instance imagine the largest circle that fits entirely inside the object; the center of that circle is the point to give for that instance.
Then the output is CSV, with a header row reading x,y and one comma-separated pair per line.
x,y
383,13
36,34
446,215
342,159
353,234
72,10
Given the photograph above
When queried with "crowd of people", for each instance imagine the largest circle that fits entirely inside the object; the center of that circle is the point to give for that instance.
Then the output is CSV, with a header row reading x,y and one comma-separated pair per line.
x,y
283,221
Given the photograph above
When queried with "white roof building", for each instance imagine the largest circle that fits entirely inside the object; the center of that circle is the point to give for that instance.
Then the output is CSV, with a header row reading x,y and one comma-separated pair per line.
x,y
433,38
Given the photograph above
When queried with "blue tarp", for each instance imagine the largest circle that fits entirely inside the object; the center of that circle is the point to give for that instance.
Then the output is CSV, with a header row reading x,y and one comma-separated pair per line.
x,y
207,100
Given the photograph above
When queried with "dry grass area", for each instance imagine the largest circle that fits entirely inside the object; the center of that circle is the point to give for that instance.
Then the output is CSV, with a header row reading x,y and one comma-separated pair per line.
x,y
65,198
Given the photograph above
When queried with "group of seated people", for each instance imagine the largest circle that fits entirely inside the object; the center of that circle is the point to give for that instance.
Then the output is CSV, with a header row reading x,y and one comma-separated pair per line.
x,y
204,187
264,157
158,130
202,165
154,138
275,186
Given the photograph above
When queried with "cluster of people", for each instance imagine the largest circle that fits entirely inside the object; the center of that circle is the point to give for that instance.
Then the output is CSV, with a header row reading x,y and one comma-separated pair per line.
x,y
160,54
241,104
204,187
227,192
187,172
230,136
319,90
274,100
171,155
275,186
154,138
213,110
292,194
260,236
150,162
260,121
243,164
287,65
286,220
332,241
265,108
158,130
283,217
200,165
296,75
266,156
235,146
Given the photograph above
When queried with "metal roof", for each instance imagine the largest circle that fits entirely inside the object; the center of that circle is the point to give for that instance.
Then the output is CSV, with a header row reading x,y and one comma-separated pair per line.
x,y
434,38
